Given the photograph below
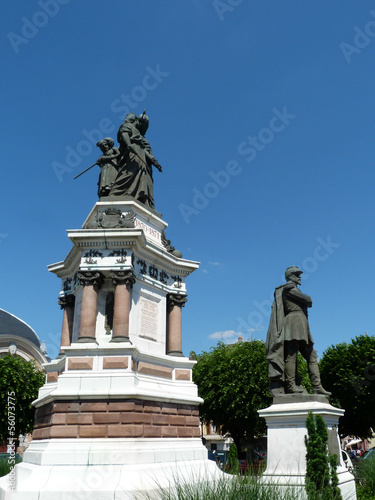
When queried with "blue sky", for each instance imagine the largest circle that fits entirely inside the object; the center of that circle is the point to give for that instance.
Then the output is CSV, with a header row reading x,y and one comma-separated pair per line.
x,y
262,116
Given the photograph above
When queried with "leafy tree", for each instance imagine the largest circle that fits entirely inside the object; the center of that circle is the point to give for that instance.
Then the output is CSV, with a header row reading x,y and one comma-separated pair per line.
x,y
20,381
348,371
321,476
233,381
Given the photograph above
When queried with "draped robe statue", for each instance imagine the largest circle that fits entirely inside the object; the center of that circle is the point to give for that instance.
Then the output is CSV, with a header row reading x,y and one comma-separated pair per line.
x,y
134,178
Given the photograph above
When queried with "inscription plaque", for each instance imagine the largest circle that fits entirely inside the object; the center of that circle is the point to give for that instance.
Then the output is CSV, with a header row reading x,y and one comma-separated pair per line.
x,y
150,232
149,319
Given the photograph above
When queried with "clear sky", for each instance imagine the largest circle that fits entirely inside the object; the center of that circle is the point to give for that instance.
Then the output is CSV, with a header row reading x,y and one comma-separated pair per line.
x,y
262,116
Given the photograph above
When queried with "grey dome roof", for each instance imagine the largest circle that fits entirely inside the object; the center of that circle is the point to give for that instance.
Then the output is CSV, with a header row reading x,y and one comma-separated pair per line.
x,y
11,325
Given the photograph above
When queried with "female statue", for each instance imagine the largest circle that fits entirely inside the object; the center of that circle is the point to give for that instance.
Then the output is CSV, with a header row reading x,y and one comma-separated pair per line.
x,y
134,178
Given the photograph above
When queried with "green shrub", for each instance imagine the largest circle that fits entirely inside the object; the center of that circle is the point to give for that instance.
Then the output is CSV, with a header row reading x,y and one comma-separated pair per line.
x,y
365,478
321,476
233,465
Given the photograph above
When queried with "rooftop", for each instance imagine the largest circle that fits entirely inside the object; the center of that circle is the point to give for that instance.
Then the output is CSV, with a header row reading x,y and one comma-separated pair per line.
x,y
11,325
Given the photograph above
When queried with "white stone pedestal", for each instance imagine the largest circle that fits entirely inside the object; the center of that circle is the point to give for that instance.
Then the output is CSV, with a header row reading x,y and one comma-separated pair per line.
x,y
286,431
108,469
113,433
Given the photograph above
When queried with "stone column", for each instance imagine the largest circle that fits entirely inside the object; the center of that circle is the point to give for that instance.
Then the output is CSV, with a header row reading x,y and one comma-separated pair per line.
x,y
91,282
175,303
66,302
123,281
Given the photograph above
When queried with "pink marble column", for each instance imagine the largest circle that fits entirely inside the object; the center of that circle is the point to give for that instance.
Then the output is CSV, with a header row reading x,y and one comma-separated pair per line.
x,y
91,282
175,303
66,303
123,281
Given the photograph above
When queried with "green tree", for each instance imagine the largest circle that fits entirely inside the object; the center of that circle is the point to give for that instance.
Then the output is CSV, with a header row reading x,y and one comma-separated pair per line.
x,y
348,371
20,381
233,381
321,476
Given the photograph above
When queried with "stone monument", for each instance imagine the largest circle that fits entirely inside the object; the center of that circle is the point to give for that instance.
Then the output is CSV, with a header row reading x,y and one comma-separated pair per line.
x,y
118,415
288,334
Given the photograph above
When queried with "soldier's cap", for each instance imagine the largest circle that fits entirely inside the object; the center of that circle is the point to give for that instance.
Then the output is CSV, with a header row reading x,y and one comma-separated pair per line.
x,y
293,270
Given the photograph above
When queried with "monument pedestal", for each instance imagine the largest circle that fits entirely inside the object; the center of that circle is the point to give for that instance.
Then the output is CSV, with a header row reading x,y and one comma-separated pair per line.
x,y
118,415
109,469
286,450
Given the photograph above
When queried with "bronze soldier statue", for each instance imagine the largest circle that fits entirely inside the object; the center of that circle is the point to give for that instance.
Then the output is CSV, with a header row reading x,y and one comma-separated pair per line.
x,y
288,334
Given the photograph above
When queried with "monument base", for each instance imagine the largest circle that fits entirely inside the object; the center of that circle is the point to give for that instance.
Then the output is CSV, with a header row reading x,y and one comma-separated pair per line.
x,y
101,469
286,450
115,423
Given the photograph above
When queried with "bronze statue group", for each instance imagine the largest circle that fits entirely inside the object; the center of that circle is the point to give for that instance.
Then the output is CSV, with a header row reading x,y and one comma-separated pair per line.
x,y
126,171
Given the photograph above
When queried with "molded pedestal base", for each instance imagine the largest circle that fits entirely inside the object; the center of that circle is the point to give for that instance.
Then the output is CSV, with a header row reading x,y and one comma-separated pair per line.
x,y
104,469
286,450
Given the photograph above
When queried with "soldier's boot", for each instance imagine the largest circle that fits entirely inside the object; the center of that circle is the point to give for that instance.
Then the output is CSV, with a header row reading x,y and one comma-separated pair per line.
x,y
315,379
276,387
290,374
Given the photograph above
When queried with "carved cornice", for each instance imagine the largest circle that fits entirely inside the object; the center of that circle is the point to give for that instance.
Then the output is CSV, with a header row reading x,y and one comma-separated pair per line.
x,y
87,278
123,278
66,301
176,299
170,267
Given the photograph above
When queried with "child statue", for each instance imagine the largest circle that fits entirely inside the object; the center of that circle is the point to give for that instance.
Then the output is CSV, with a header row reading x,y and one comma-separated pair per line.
x,y
108,165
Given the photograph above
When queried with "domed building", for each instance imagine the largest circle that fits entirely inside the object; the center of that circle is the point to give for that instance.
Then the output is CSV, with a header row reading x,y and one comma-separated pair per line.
x,y
19,339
